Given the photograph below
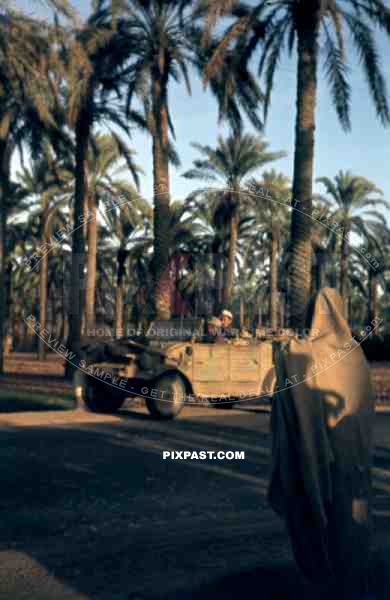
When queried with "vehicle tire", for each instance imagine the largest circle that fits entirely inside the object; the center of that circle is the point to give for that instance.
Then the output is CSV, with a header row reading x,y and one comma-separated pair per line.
x,y
95,396
170,397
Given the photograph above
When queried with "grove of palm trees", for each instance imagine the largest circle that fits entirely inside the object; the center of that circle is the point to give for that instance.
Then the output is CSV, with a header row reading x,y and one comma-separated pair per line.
x,y
194,215
74,93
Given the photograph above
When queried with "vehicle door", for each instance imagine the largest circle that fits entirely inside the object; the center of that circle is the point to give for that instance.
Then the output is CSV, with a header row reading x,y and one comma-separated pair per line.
x,y
250,365
210,368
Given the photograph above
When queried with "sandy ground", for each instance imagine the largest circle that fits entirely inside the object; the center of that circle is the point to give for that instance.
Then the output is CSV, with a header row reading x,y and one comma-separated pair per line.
x,y
89,508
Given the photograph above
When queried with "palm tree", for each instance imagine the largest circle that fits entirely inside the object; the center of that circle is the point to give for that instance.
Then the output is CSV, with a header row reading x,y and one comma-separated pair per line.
x,y
49,183
272,217
135,235
293,24
103,169
164,43
92,62
126,236
231,163
256,280
28,113
374,276
188,235
356,201
367,269
204,206
16,205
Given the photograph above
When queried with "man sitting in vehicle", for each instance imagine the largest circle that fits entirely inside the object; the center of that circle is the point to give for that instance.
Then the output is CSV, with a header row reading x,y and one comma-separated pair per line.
x,y
214,327
227,331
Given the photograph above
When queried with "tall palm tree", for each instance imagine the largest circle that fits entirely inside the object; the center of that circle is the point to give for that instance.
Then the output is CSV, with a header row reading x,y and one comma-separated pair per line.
x,y
28,113
92,63
230,164
125,235
373,281
272,217
355,204
49,183
205,208
187,251
378,247
104,166
136,243
367,269
292,24
164,44
17,204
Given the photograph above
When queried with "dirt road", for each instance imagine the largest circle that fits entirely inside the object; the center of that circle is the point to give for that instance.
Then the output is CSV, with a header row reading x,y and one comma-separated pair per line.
x,y
89,508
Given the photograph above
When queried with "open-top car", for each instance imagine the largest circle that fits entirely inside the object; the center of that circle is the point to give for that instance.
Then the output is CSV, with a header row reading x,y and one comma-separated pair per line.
x,y
172,365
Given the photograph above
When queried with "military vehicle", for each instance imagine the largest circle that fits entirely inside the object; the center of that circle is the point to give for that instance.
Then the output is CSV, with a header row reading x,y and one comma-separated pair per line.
x,y
174,364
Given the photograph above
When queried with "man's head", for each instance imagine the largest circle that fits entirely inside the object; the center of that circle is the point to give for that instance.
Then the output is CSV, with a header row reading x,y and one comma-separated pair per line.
x,y
213,325
226,318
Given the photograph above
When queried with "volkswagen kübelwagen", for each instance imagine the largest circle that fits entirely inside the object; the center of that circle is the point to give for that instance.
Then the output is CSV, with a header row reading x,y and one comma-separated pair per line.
x,y
173,365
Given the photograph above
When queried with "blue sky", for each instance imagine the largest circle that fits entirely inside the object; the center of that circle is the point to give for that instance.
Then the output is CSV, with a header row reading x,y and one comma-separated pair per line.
x,y
365,150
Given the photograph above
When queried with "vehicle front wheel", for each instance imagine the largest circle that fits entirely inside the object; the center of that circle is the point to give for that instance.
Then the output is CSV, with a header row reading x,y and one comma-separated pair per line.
x,y
170,395
93,395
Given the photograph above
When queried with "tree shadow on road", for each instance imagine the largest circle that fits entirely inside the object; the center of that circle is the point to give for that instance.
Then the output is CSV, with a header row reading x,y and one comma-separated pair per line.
x,y
98,507
279,582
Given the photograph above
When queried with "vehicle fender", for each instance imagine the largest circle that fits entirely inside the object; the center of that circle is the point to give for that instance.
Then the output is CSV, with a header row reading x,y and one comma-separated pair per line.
x,y
187,383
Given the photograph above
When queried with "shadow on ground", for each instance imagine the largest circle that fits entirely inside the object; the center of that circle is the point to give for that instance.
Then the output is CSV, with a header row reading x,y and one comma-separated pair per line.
x,y
96,507
279,582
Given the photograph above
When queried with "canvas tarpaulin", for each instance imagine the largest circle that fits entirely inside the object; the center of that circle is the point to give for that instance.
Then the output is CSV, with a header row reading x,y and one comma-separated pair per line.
x,y
322,422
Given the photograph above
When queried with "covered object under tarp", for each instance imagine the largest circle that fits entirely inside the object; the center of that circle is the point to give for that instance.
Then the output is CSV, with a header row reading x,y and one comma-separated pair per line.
x,y
322,424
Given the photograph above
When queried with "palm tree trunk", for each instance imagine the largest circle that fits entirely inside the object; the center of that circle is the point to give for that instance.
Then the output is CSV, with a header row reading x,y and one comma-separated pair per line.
x,y
372,312
242,312
78,240
43,289
5,164
120,291
229,272
8,306
344,254
3,220
43,280
92,235
64,333
274,276
161,216
86,208
374,296
218,277
300,266
348,306
282,321
119,311
319,270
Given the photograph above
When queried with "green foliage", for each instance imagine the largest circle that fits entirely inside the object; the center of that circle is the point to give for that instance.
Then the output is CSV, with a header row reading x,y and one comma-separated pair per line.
x,y
103,72
356,205
275,27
